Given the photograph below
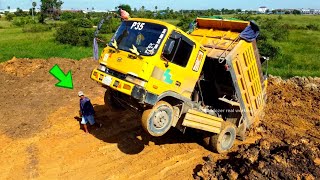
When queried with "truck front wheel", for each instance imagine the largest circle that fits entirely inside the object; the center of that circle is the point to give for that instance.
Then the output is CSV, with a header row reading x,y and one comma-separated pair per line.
x,y
222,142
110,101
158,120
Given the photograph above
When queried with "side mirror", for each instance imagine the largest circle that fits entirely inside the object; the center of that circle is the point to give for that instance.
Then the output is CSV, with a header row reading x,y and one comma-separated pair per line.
x,y
169,46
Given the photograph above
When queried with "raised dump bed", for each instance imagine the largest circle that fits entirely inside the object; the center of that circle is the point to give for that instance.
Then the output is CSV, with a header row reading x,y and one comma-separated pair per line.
x,y
218,36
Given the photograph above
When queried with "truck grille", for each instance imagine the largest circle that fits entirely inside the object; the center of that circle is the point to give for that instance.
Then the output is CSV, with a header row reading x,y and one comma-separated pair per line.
x,y
115,74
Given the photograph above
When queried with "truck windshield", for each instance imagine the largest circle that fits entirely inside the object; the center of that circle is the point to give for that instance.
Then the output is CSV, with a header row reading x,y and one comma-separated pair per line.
x,y
146,37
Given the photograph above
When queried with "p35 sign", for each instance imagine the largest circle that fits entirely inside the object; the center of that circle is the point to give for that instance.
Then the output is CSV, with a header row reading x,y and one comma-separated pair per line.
x,y
137,26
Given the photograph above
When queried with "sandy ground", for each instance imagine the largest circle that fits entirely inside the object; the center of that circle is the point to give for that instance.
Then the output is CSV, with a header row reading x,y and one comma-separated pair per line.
x,y
41,137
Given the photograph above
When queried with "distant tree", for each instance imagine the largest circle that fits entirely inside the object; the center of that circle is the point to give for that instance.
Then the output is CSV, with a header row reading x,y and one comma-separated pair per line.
x,y
9,17
184,23
50,8
19,12
223,10
8,8
267,11
34,4
156,8
142,8
92,8
31,10
296,12
168,9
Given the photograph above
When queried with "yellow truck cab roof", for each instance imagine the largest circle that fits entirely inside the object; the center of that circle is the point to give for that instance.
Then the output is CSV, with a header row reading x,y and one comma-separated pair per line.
x,y
153,21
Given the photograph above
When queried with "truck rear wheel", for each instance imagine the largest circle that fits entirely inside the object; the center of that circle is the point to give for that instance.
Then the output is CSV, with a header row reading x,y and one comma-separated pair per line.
x,y
222,142
158,120
110,100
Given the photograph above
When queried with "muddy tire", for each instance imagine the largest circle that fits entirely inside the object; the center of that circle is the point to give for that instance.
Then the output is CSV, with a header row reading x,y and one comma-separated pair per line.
x,y
158,120
222,142
241,131
110,101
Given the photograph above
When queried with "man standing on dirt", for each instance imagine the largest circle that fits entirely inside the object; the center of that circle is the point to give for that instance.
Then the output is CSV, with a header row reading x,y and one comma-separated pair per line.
x,y
87,112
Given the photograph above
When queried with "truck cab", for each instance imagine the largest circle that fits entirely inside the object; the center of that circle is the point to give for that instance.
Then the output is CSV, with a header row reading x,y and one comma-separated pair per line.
x,y
209,79
167,61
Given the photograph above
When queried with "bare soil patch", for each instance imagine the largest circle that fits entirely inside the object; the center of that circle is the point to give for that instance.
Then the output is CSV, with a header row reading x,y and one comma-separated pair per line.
x,y
41,138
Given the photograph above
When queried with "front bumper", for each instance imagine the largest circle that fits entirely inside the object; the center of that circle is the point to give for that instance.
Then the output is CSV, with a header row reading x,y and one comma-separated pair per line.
x,y
113,82
137,92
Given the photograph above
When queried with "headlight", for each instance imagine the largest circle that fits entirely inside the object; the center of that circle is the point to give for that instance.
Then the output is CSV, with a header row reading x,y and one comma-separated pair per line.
x,y
102,67
135,80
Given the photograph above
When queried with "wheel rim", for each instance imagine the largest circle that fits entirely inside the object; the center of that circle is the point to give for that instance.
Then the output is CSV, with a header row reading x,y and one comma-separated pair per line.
x,y
161,118
157,121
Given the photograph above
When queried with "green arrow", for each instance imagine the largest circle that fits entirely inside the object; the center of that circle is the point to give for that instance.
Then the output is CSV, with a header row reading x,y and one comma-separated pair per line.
x,y
65,81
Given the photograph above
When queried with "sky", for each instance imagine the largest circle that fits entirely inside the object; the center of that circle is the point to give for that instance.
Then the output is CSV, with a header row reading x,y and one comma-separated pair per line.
x,y
173,4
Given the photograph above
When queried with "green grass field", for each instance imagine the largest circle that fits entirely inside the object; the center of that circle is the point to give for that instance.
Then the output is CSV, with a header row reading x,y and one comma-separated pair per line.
x,y
300,52
36,45
301,55
14,42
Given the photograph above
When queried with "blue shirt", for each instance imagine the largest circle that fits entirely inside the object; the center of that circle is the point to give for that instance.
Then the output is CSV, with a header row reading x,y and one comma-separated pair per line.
x,y
86,107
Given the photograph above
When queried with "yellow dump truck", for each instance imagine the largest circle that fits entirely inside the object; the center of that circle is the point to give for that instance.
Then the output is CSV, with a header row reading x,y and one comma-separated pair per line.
x,y
209,79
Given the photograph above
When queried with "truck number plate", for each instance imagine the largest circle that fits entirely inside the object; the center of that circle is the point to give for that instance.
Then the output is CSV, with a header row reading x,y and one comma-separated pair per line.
x,y
107,80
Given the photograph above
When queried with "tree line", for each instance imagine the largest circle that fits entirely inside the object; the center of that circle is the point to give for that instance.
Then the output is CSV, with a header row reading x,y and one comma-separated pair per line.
x,y
78,29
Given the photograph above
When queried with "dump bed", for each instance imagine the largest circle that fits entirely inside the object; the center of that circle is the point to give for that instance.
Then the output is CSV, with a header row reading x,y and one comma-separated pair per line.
x,y
222,40
218,36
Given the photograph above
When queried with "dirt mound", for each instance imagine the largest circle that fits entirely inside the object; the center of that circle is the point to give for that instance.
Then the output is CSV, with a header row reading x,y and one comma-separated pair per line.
x,y
28,92
293,108
22,67
267,160
291,125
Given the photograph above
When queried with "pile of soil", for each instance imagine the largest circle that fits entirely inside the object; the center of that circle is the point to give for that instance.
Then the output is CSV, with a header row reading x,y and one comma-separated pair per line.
x,y
266,160
290,131
293,108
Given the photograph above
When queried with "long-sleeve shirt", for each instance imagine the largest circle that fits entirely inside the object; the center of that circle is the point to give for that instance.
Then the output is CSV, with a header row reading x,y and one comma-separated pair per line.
x,y
86,107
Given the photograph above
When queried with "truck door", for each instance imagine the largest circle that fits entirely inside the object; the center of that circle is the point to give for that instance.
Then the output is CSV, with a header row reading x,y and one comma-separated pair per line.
x,y
178,56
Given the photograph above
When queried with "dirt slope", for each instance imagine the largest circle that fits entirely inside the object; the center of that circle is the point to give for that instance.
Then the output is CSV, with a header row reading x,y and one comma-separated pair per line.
x,y
41,139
